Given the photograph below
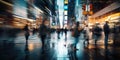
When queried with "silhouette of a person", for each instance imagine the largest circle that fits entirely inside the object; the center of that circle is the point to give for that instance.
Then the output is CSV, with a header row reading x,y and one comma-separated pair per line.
x,y
26,32
43,31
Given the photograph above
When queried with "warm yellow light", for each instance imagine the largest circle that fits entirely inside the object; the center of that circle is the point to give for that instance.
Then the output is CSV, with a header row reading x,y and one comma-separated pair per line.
x,y
65,12
109,17
66,1
113,16
90,12
116,14
84,12
30,46
31,20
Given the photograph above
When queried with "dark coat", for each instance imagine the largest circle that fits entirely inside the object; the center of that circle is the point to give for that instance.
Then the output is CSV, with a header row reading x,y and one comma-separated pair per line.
x,y
106,29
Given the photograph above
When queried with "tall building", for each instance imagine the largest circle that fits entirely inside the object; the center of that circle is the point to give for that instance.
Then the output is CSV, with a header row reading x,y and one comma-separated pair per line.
x,y
65,22
20,12
78,10
71,11
49,9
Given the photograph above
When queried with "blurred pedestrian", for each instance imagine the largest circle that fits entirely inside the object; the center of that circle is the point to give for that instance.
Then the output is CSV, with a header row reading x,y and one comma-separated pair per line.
x,y
34,31
43,31
97,31
65,30
26,29
106,29
116,34
58,33
76,34
62,31
86,34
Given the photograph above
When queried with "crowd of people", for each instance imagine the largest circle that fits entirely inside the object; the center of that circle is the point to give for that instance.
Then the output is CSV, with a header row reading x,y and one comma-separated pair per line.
x,y
75,32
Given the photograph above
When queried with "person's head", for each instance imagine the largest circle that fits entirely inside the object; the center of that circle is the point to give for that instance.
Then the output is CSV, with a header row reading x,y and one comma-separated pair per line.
x,y
26,25
77,24
86,25
97,24
106,22
43,22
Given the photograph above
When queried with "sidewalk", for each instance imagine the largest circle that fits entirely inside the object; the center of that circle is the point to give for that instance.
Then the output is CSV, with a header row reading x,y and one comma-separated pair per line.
x,y
57,49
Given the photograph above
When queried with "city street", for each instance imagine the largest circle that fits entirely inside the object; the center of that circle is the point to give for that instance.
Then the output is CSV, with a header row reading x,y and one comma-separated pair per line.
x,y
59,29
16,48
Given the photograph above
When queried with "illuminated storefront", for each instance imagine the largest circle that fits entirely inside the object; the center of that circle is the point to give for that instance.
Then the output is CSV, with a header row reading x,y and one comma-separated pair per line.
x,y
110,13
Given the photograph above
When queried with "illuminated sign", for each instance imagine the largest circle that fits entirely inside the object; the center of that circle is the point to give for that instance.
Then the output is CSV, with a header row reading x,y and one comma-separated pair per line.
x,y
65,12
65,7
66,1
65,21
66,17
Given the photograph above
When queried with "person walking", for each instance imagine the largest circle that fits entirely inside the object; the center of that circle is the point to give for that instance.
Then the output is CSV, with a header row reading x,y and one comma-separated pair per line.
x,y
116,34
65,30
43,31
58,33
76,34
86,34
97,31
26,29
106,29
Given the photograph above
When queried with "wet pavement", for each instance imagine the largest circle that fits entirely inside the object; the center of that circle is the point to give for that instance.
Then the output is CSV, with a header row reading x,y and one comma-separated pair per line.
x,y
16,48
